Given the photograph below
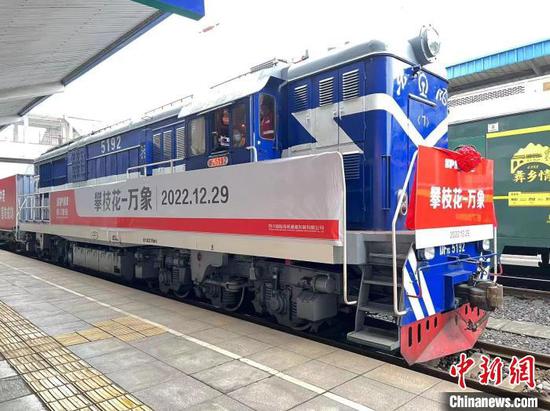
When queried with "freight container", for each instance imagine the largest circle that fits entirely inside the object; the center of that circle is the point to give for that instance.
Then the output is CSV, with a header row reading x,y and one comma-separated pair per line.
x,y
497,123
13,192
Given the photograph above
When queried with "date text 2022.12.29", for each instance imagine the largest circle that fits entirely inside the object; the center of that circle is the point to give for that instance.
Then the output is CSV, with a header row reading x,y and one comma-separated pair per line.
x,y
198,195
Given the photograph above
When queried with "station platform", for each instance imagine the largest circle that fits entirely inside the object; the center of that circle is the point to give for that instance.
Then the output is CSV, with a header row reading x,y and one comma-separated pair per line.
x,y
70,341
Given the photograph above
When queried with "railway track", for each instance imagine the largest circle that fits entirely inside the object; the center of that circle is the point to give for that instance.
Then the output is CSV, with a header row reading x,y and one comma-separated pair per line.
x,y
336,338
541,360
526,292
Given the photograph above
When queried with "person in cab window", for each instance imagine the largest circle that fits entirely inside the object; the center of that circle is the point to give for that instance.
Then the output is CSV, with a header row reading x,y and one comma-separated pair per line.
x,y
239,126
239,135
221,137
267,128
225,123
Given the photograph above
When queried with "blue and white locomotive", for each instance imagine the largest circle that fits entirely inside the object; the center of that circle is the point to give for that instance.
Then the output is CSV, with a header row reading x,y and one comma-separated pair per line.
x,y
285,188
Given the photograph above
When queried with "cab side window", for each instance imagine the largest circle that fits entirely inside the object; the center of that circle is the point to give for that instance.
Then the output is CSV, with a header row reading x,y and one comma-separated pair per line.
x,y
220,135
197,136
238,125
267,117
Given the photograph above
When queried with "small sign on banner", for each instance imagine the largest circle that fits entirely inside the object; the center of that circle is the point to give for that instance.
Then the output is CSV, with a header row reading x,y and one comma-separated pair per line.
x,y
449,205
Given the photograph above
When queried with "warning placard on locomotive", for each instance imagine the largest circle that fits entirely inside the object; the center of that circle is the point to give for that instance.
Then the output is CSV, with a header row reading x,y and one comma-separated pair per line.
x,y
296,197
449,205
8,198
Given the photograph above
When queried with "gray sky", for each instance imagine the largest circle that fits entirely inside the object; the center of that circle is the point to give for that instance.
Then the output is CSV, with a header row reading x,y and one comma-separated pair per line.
x,y
174,59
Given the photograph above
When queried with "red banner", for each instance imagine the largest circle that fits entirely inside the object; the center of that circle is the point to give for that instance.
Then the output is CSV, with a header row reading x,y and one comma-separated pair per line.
x,y
64,211
448,205
8,199
293,198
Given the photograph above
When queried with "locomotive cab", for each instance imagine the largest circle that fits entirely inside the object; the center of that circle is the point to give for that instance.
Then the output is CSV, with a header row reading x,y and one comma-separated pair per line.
x,y
237,121
220,137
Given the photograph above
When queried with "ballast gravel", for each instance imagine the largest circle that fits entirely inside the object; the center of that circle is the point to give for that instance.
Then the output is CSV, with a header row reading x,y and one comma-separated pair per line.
x,y
535,310
522,342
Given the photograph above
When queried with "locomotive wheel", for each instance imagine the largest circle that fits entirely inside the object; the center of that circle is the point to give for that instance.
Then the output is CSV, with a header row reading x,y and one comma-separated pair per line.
x,y
63,257
164,285
164,288
306,326
236,299
69,259
182,293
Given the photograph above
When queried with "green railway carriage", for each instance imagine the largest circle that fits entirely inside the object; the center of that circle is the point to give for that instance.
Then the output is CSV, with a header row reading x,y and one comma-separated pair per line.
x,y
520,146
500,103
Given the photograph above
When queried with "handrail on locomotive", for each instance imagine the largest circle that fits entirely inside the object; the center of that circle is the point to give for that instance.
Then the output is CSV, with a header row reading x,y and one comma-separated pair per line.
x,y
157,163
171,163
401,197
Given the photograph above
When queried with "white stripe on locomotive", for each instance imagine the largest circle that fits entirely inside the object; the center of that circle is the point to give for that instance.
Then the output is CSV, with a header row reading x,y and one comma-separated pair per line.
x,y
409,287
377,101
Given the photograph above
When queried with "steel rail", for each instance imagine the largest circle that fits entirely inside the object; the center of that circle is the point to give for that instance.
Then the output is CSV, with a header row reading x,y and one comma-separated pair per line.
x,y
541,360
526,292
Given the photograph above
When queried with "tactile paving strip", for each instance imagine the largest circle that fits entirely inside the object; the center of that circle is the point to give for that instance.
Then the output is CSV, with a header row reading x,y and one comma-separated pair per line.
x,y
61,379
124,328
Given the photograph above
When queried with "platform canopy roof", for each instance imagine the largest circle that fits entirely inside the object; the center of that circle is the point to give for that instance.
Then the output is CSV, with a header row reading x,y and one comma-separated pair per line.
x,y
46,44
509,65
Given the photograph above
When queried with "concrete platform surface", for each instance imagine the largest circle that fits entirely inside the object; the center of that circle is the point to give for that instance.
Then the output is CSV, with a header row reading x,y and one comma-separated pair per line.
x,y
73,341
519,327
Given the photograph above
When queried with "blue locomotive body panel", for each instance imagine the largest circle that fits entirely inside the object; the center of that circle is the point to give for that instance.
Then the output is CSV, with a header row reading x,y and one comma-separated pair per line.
x,y
375,111
113,155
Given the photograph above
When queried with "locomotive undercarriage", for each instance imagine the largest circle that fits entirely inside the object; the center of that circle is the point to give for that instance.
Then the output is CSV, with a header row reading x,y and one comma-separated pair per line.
x,y
297,296
302,296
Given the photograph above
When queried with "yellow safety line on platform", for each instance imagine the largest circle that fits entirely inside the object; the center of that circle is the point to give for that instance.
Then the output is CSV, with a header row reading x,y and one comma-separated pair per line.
x,y
272,371
518,131
58,377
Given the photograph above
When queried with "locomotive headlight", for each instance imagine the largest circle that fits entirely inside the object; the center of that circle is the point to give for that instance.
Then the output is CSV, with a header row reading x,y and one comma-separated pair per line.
x,y
427,253
431,42
426,45
486,244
